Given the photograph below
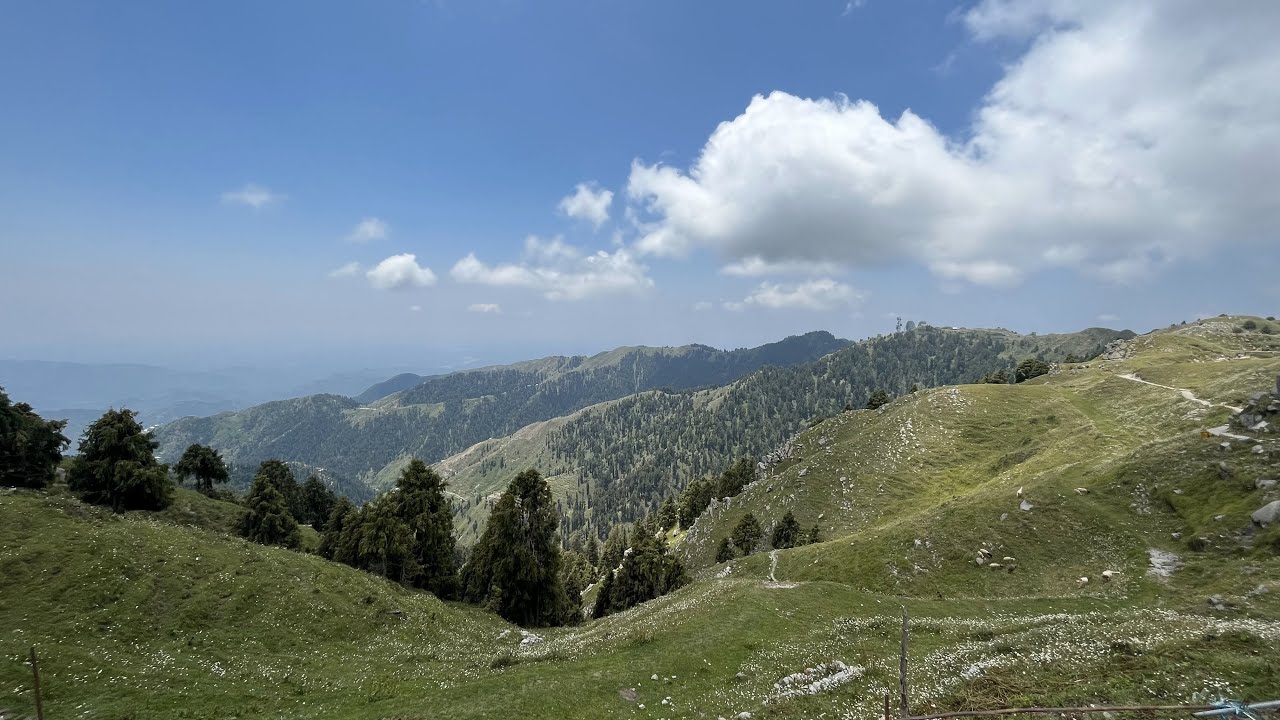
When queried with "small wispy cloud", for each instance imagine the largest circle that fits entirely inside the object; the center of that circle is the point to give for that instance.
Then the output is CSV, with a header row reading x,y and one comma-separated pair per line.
x,y
852,5
350,269
254,196
368,230
493,308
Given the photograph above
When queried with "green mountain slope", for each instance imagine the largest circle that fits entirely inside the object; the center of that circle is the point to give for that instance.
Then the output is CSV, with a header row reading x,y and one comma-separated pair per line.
x,y
1088,469
448,413
163,615
614,461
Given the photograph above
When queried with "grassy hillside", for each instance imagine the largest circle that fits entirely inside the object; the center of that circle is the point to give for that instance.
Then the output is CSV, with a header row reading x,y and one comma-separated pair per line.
x,y
444,414
165,615
909,494
612,462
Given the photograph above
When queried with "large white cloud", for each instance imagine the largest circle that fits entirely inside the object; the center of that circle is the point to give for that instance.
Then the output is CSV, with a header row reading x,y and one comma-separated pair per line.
x,y
560,271
399,272
817,294
1127,136
588,203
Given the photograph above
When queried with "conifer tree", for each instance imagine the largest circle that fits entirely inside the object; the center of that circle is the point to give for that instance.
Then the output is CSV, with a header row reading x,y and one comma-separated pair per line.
x,y
813,535
878,399
601,608
333,526
787,533
593,550
746,535
316,502
614,546
724,551
515,567
422,505
268,521
667,517
202,463
386,545
117,465
278,474
648,571
30,446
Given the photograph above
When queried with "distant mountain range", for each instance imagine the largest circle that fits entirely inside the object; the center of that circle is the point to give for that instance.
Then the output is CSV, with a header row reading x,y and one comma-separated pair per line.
x,y
81,392
441,415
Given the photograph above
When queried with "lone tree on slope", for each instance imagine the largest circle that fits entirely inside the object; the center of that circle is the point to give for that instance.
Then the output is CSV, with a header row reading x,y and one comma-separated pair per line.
x,y
117,465
202,463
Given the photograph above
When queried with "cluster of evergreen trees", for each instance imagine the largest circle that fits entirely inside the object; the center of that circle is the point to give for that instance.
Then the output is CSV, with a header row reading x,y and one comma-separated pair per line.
x,y
646,571
30,446
405,535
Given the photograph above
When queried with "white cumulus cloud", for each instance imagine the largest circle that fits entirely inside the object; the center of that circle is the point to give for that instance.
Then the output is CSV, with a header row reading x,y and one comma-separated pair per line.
x,y
817,294
400,271
493,308
1128,136
367,230
588,203
559,270
254,196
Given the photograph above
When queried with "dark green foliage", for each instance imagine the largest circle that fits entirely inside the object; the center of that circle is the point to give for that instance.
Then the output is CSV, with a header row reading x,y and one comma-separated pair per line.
x,y
998,377
878,399
614,546
667,517
787,533
515,567
593,551
117,466
648,571
268,521
699,494
576,573
202,463
315,503
600,609
724,551
813,535
30,446
277,473
746,535
385,544
421,503
330,539
1031,368
1250,325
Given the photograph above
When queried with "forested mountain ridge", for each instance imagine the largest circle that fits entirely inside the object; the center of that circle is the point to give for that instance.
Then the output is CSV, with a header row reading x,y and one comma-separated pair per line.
x,y
447,413
615,461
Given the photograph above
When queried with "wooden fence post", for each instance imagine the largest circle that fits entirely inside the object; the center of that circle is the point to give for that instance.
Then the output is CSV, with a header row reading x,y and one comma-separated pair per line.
x,y
35,674
902,668
887,716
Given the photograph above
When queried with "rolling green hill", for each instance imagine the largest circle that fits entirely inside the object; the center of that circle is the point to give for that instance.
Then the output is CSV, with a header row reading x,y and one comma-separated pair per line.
x,y
612,462
447,413
165,615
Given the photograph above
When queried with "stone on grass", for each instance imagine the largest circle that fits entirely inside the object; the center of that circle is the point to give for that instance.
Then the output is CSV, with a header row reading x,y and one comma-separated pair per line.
x,y
1268,513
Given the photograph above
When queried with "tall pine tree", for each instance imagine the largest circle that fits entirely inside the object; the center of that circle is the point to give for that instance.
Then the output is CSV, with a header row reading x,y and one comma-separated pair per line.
x,y
268,521
422,505
515,567
30,446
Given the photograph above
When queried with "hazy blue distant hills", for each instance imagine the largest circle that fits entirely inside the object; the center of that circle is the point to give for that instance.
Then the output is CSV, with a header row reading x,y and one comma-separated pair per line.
x,y
80,392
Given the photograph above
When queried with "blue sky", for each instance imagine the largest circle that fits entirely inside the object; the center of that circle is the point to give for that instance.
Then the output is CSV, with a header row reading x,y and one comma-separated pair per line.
x,y
232,182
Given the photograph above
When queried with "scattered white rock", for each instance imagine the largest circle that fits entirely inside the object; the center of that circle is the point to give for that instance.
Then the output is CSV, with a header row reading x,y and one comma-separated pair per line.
x,y
1025,506
1264,483
1108,574
1020,492
528,638
654,676
1163,562
1082,582
1082,491
1004,516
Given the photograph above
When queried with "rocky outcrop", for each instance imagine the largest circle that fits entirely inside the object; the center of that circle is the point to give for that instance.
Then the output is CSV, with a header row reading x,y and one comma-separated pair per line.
x,y
1261,414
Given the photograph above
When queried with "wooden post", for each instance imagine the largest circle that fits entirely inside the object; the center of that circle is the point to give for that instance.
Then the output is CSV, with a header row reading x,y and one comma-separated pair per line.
x,y
35,674
887,716
902,668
